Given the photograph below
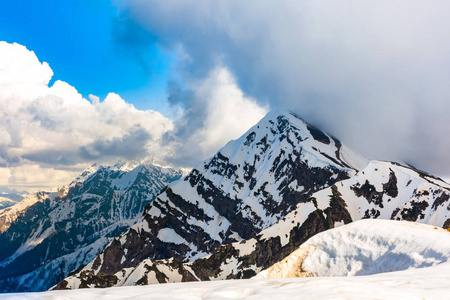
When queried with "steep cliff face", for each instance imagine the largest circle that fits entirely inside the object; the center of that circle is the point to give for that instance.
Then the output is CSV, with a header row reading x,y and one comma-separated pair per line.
x,y
249,185
381,190
47,235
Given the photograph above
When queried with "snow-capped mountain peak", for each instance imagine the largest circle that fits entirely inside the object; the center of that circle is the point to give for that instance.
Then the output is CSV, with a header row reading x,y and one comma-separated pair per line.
x,y
279,129
257,200
86,173
248,185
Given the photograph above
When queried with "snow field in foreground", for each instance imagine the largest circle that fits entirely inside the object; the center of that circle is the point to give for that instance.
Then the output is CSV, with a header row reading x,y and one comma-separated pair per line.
x,y
421,243
425,283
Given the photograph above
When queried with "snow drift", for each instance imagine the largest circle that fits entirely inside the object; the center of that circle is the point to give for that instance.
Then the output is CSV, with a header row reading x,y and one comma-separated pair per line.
x,y
366,247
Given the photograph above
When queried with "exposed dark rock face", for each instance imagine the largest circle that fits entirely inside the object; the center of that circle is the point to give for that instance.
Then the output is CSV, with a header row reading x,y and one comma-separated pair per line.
x,y
415,212
371,214
441,199
447,224
318,135
337,211
369,192
390,187
99,280
61,231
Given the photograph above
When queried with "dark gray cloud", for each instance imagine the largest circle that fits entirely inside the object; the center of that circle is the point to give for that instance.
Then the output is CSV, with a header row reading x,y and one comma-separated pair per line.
x,y
133,145
194,111
373,74
132,40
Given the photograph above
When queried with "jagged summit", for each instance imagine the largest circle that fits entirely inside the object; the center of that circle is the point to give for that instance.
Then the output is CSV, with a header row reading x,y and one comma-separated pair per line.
x,y
86,173
280,126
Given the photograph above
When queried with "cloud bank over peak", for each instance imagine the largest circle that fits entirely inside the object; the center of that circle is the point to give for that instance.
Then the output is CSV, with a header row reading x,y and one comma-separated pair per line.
x,y
215,112
375,74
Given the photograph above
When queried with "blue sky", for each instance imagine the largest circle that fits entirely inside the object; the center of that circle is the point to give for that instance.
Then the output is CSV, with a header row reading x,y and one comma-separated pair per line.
x,y
80,39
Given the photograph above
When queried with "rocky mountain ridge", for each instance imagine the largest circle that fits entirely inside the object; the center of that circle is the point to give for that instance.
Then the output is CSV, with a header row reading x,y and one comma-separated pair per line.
x,y
381,190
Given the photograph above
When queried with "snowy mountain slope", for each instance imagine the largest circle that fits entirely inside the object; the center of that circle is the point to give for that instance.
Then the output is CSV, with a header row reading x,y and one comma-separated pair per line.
x,y
381,190
10,214
390,191
56,268
78,220
366,247
7,200
247,186
381,243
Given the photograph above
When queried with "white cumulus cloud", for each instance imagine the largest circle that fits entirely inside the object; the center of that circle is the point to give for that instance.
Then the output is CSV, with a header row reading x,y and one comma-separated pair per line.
x,y
216,111
50,131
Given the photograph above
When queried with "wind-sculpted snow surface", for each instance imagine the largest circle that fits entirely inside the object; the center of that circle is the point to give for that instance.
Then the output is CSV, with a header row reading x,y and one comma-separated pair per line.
x,y
425,283
249,185
366,247
381,190
48,235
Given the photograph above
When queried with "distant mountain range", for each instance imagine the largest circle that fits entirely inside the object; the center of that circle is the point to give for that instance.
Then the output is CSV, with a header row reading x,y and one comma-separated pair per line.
x,y
47,235
246,208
